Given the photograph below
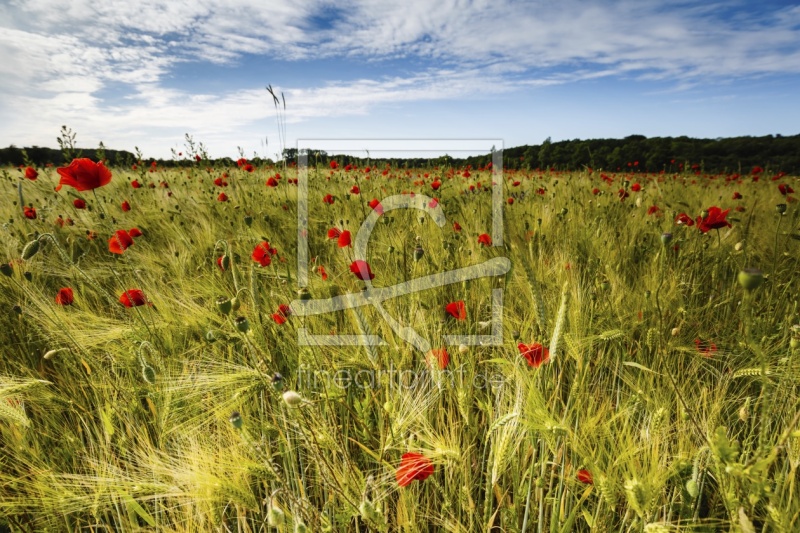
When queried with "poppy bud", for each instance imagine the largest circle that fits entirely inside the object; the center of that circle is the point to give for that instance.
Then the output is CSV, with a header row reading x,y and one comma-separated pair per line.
x,y
292,399
248,220
31,249
751,278
605,285
794,343
6,269
515,334
300,527
704,213
275,515
27,275
224,305
780,208
418,253
236,420
277,381
210,336
242,324
303,294
463,348
225,262
666,238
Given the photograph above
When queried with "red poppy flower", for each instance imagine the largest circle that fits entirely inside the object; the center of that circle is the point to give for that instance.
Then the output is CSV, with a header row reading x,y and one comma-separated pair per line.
x,y
515,184
376,206
636,187
435,185
220,263
65,296
119,242
653,209
241,162
135,232
280,316
84,175
684,220
79,203
31,174
135,184
344,239
413,466
535,353
132,298
510,201
438,356
456,226
355,190
484,239
334,165
466,174
334,233
595,191
457,310
220,182
261,254
622,193
361,269
785,189
737,196
272,182
322,273
125,206
29,212
715,219
249,168
222,197
705,348
328,199
584,476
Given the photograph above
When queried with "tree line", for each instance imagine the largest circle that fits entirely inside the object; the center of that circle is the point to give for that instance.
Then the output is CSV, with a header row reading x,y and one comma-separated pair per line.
x,y
775,153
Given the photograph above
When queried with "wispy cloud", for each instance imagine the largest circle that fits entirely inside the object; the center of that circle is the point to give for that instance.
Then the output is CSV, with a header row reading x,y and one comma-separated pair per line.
x,y
63,60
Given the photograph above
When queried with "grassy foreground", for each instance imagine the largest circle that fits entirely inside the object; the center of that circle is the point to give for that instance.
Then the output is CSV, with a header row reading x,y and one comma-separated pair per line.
x,y
640,386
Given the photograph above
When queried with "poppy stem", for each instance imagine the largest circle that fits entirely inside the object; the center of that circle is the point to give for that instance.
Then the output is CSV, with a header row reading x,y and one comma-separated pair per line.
x,y
97,201
775,247
21,197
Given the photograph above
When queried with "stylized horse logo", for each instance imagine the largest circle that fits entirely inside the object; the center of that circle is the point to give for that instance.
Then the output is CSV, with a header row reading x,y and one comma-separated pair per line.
x,y
375,296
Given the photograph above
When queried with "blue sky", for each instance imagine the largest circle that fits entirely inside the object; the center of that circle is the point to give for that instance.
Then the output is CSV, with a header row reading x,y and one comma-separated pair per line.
x,y
143,73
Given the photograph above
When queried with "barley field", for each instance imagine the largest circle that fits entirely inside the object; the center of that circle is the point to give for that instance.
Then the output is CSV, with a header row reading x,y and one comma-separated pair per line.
x,y
154,374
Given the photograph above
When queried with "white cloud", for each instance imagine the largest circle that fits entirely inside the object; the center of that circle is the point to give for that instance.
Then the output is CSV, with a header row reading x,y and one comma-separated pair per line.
x,y
62,60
